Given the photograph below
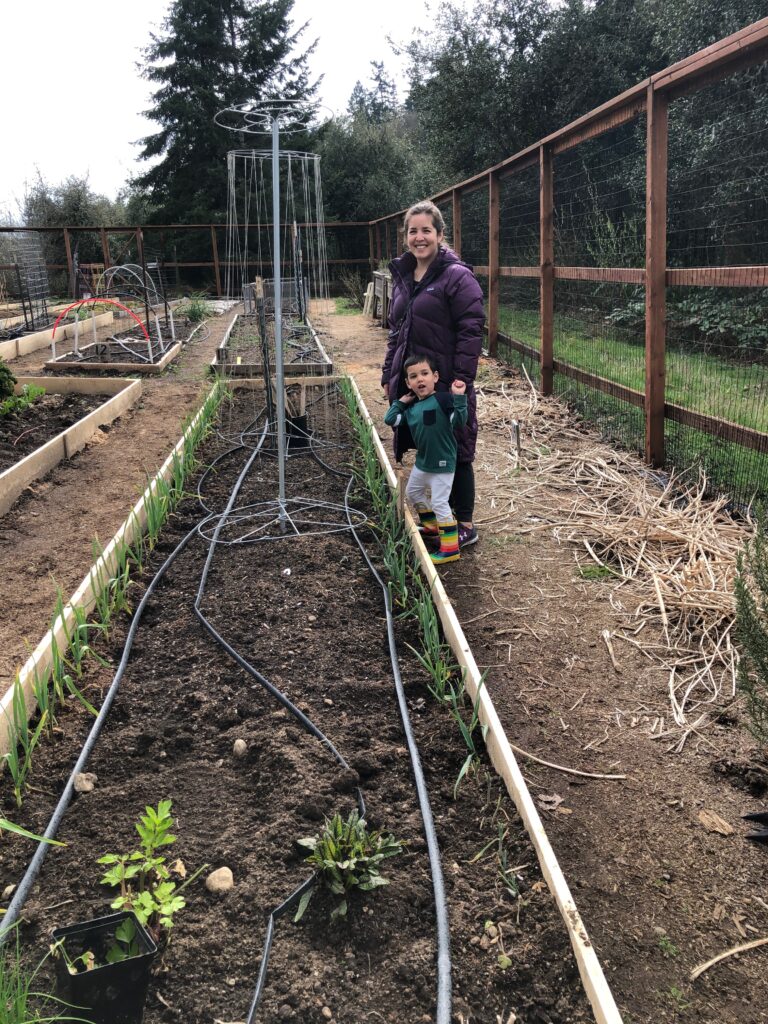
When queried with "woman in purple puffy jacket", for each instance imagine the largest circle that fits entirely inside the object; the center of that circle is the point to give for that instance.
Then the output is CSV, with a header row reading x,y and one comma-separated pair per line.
x,y
437,309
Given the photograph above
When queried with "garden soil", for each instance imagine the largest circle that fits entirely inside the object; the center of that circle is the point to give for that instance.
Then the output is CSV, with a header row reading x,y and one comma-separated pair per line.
x,y
23,432
658,891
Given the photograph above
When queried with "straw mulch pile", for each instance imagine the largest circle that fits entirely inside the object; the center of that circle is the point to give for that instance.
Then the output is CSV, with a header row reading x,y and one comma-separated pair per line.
x,y
671,551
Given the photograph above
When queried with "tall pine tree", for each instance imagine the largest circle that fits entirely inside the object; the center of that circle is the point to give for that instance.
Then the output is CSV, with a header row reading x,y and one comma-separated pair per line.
x,y
212,54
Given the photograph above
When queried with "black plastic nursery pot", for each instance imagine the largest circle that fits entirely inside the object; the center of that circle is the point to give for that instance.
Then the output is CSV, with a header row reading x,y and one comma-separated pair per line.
x,y
110,993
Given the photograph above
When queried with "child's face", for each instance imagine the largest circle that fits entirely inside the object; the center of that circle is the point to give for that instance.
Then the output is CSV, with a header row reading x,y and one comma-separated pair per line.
x,y
421,379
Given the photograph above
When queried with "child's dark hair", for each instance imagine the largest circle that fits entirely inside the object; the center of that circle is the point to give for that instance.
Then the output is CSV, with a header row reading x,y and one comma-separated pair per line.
x,y
424,358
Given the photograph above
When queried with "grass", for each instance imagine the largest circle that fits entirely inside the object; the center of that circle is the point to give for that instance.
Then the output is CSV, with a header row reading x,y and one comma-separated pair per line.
x,y
345,307
20,1003
595,572
667,946
697,381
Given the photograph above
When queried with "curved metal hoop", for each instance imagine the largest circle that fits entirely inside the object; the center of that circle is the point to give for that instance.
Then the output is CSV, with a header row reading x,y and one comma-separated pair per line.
x,y
257,118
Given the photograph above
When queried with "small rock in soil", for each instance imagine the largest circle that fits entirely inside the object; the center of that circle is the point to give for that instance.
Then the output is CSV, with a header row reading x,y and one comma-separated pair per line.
x,y
85,781
220,880
8,891
327,1012
239,748
285,1012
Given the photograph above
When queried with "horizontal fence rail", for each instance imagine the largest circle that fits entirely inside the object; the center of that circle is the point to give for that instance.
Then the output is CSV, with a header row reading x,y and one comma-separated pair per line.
x,y
624,260
192,252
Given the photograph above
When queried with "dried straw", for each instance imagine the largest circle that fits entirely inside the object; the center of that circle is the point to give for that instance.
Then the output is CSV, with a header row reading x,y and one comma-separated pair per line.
x,y
662,539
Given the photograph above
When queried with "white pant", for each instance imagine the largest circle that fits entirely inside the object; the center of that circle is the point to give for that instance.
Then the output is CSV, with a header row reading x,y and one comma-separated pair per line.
x,y
430,490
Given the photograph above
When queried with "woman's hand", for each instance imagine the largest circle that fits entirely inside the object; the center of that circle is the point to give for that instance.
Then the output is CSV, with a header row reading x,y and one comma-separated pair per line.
x,y
458,387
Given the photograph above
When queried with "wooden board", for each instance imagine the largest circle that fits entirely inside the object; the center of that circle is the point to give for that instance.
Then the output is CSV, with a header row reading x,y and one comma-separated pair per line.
x,y
64,445
116,367
505,763
85,596
40,339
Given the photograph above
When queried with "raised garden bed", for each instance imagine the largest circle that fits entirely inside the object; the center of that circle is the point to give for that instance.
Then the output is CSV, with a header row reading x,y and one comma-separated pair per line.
x,y
13,348
241,353
131,353
56,426
311,630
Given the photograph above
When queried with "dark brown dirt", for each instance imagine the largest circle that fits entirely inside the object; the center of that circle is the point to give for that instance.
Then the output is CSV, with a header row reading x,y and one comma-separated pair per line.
x,y
22,433
659,894
46,539
318,633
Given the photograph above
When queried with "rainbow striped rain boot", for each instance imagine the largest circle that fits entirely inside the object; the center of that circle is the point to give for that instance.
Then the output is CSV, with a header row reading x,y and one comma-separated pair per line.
x,y
449,543
427,523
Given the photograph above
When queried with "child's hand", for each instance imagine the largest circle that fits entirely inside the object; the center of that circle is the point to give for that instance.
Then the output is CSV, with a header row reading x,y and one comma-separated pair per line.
x,y
458,387
407,398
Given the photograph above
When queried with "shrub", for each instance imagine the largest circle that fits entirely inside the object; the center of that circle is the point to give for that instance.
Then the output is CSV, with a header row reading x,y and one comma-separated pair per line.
x,y
7,381
751,589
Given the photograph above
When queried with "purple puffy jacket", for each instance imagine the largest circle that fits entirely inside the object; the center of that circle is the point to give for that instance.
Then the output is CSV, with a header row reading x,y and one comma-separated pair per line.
x,y
445,320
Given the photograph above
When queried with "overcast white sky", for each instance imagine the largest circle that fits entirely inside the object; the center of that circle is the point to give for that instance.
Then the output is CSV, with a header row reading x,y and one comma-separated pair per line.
x,y
72,96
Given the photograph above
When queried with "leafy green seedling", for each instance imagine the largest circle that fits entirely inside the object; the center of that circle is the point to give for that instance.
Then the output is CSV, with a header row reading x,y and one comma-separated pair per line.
x,y
346,856
667,946
146,882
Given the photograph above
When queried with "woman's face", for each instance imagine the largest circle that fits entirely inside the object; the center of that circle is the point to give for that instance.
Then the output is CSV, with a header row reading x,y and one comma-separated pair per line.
x,y
422,238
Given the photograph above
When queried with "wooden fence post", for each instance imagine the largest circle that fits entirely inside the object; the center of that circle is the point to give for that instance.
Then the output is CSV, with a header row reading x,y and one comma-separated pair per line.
x,y
546,268
371,250
493,262
456,240
400,235
655,274
105,249
70,265
216,270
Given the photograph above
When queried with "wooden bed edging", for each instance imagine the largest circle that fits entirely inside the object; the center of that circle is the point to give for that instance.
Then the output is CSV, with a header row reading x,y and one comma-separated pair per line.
x,y
117,367
124,394
220,366
40,339
85,596
504,761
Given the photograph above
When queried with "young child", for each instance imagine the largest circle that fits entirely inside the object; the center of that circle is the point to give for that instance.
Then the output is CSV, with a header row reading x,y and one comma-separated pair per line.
x,y
431,417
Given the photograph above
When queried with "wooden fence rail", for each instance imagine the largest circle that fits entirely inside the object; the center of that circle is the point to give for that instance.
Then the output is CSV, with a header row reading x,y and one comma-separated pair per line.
x,y
650,99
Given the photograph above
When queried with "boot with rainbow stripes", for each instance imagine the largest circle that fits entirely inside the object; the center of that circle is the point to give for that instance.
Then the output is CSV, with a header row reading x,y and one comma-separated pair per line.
x,y
427,523
449,543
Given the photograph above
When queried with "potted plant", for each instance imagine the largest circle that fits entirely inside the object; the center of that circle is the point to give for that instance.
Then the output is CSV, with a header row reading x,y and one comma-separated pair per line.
x,y
102,967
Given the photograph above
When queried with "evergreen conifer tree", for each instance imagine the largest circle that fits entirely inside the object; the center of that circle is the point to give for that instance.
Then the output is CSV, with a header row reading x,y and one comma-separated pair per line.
x,y
212,54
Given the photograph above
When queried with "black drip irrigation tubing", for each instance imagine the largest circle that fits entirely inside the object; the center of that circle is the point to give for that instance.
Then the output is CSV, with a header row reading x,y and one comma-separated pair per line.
x,y
443,934
438,884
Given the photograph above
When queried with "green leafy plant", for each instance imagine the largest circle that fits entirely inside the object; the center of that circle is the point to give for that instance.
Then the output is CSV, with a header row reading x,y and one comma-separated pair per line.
x,y
196,308
21,742
20,1002
595,572
346,857
146,882
667,946
17,830
455,700
7,380
18,403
